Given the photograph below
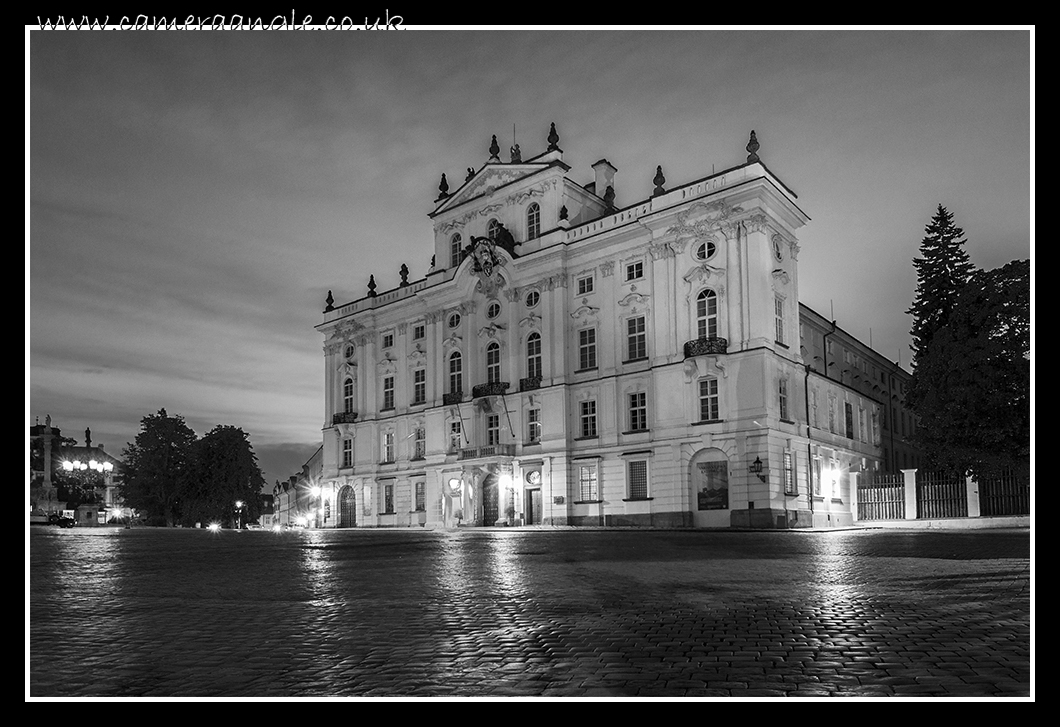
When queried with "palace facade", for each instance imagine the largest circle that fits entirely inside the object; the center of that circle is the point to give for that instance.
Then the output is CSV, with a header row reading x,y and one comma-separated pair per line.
x,y
569,362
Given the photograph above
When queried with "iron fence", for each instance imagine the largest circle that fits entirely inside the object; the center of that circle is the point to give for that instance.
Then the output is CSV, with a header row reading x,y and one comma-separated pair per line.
x,y
1008,493
940,494
883,498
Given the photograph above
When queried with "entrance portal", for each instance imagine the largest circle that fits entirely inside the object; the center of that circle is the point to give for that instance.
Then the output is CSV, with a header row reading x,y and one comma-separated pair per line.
x,y
347,508
490,501
533,506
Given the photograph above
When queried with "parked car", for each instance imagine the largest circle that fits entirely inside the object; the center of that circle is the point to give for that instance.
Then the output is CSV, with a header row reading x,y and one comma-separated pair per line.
x,y
66,522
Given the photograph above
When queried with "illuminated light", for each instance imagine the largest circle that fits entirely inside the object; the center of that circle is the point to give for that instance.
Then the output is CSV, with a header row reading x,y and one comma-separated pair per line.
x,y
93,463
505,480
214,527
108,466
68,465
277,528
301,520
77,464
315,489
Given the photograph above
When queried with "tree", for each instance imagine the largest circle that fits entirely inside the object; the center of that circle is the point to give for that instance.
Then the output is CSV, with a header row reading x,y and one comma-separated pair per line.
x,y
156,467
973,376
224,470
941,274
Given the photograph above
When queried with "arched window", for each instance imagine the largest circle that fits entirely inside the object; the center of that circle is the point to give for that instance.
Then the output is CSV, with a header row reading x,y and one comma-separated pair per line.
x,y
347,395
456,378
533,221
707,314
455,250
493,362
493,229
533,355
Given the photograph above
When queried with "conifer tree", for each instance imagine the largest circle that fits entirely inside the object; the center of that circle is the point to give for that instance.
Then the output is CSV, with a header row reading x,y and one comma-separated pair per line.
x,y
942,272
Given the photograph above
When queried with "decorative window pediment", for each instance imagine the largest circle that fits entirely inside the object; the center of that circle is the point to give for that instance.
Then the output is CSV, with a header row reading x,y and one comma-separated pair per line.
x,y
584,312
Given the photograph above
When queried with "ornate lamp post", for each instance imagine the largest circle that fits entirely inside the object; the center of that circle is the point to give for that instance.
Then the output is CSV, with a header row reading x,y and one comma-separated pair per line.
x,y
239,514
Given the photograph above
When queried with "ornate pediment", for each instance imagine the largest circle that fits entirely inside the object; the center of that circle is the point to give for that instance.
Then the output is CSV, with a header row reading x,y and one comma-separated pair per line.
x,y
348,368
492,177
703,271
492,331
532,320
452,341
702,218
388,364
584,311
781,276
633,298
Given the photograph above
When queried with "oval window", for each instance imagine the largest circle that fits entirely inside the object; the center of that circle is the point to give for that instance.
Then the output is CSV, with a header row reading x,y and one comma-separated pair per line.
x,y
454,320
532,298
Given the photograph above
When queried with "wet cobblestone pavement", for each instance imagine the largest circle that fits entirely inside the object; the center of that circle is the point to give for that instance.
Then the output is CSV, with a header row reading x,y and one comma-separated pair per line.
x,y
545,613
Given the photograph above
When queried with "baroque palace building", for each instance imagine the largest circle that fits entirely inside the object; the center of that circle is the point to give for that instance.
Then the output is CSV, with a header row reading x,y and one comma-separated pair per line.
x,y
569,362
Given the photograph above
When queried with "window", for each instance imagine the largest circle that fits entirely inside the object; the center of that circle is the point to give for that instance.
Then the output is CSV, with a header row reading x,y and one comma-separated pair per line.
x,y
587,348
419,443
862,429
876,427
532,298
636,339
813,407
493,362
637,479
587,485
533,355
776,248
493,310
707,314
778,308
388,499
388,340
585,285
419,332
849,412
790,486
638,412
817,476
349,351
456,252
347,395
533,221
455,435
456,378
419,386
388,392
347,452
588,418
783,396
421,496
454,320
706,250
708,400
493,429
493,229
832,414
533,425
634,270
388,446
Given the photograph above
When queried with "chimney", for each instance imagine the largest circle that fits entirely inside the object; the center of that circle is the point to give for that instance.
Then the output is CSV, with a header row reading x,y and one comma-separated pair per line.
x,y
605,177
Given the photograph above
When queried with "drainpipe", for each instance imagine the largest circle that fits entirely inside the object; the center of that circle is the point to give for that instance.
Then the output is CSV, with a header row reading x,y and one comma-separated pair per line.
x,y
809,445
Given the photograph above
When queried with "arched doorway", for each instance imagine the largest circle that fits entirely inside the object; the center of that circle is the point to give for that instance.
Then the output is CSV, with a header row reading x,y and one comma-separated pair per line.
x,y
347,508
490,501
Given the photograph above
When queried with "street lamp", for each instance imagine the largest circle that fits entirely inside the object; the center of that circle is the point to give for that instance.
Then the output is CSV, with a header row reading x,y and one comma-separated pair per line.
x,y
239,514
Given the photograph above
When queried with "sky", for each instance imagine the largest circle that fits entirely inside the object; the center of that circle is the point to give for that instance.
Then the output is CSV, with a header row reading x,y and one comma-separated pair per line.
x,y
191,197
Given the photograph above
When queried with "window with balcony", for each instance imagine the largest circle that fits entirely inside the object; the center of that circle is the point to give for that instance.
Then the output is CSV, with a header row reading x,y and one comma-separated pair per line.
x,y
347,395
493,363
533,356
707,314
456,377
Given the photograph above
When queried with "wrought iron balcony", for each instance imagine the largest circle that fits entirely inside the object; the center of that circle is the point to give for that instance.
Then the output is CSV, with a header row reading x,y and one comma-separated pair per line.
x,y
454,398
707,344
493,388
344,417
530,383
493,450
